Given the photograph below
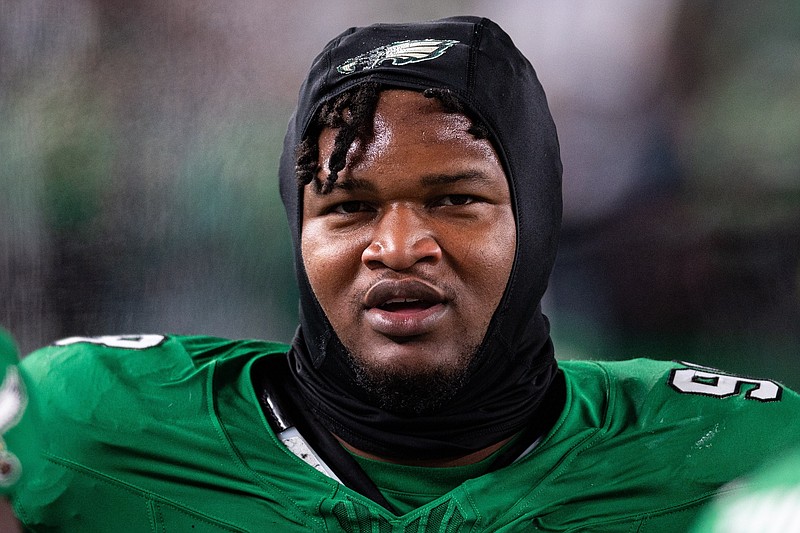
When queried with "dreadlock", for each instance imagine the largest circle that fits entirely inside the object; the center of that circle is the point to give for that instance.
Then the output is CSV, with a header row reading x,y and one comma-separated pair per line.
x,y
351,113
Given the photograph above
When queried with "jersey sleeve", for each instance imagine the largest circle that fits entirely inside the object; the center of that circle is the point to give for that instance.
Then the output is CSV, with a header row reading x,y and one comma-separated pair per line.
x,y
710,424
667,437
134,422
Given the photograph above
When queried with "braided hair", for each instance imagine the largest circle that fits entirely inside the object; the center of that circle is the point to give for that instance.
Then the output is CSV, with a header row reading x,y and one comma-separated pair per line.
x,y
351,113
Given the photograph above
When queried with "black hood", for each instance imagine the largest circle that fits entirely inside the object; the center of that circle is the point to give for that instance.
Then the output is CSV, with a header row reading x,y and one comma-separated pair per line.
x,y
479,64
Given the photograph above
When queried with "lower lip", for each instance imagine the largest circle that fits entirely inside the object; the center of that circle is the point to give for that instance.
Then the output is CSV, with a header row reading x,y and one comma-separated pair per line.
x,y
406,323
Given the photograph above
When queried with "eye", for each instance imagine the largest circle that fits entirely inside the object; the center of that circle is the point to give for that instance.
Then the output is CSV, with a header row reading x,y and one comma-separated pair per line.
x,y
350,207
456,199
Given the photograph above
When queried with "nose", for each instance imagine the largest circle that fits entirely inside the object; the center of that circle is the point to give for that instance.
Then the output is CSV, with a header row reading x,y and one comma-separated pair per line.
x,y
401,240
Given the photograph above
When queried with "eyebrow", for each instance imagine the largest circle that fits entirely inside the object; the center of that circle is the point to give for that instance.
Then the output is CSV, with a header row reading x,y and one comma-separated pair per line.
x,y
355,184
474,176
360,184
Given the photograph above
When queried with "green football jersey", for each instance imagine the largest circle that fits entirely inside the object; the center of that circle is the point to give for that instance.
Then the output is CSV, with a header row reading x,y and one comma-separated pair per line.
x,y
153,433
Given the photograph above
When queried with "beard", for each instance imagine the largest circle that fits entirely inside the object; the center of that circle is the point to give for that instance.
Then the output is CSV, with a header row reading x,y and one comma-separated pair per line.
x,y
406,391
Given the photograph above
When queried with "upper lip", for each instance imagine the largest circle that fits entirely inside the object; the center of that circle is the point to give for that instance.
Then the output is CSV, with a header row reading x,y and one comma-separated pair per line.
x,y
387,290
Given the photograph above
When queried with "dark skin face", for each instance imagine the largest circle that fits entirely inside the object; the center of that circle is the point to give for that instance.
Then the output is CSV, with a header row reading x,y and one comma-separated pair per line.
x,y
411,252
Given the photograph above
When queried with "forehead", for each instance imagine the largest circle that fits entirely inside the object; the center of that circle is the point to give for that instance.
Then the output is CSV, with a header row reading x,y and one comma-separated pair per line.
x,y
414,135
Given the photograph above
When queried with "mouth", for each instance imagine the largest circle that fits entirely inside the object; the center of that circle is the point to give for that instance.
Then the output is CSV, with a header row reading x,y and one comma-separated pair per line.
x,y
401,305
404,308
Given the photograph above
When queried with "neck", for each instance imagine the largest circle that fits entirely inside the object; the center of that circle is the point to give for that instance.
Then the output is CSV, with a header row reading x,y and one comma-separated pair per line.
x,y
468,459
501,397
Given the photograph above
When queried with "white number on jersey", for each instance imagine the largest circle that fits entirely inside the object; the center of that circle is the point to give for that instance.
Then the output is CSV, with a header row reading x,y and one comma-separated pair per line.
x,y
711,383
131,342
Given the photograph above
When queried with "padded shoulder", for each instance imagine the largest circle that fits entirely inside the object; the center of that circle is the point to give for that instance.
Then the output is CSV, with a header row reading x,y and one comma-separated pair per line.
x,y
94,387
137,356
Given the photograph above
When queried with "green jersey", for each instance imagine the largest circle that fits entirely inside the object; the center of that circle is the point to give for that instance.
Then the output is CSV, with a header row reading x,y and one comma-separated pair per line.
x,y
153,433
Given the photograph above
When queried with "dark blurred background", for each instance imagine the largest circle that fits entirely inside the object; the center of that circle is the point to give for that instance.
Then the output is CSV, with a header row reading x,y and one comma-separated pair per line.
x,y
139,142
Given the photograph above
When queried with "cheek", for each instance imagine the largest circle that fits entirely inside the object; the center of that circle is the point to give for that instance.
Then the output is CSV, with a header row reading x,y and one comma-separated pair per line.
x,y
489,261
316,255
328,262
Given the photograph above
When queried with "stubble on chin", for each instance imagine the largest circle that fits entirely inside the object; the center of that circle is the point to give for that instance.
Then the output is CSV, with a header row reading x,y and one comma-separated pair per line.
x,y
405,391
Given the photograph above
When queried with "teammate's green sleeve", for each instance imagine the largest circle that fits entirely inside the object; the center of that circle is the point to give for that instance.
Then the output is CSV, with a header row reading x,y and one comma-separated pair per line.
x,y
17,432
767,501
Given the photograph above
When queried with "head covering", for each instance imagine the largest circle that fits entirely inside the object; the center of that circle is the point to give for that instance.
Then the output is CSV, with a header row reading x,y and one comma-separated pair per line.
x,y
477,61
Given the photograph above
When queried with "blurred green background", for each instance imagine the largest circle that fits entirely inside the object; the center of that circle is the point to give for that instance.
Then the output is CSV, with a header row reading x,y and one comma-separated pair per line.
x,y
140,139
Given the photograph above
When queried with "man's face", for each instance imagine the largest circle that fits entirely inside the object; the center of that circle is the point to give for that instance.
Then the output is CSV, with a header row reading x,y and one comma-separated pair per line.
x,y
409,255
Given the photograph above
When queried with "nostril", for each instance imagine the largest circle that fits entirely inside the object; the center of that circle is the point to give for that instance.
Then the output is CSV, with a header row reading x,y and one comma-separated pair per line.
x,y
401,238
400,255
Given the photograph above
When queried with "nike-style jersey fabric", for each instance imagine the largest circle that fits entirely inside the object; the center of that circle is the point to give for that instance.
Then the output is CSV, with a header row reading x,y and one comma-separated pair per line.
x,y
152,433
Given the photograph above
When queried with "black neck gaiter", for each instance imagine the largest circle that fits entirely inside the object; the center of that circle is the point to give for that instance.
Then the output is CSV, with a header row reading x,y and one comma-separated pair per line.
x,y
497,402
514,366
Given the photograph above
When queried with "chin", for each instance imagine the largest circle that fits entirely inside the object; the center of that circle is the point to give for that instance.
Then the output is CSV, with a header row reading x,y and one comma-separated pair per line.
x,y
412,384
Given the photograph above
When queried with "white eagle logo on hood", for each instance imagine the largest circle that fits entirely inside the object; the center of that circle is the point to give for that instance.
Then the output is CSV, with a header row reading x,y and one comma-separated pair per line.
x,y
398,53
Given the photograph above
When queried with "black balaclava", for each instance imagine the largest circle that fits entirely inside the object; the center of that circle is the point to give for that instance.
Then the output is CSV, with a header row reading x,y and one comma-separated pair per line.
x,y
479,64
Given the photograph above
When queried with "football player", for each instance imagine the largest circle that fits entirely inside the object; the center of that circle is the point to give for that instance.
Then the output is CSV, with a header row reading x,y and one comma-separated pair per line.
x,y
421,179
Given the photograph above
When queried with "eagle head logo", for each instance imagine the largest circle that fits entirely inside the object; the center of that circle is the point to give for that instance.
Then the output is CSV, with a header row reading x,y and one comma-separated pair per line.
x,y
397,53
